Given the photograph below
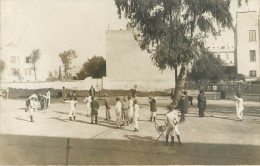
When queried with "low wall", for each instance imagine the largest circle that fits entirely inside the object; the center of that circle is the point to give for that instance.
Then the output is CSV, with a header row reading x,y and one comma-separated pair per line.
x,y
105,83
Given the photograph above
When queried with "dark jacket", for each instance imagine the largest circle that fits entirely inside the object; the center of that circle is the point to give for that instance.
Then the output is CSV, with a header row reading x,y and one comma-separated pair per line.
x,y
92,92
153,107
184,104
107,104
202,101
94,107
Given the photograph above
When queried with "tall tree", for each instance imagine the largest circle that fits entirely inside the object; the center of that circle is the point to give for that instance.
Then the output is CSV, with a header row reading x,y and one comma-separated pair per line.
x,y
66,59
173,31
94,67
35,56
208,68
60,74
17,74
2,67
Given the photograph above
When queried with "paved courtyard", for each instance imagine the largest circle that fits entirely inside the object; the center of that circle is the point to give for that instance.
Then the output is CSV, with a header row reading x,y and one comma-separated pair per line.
x,y
219,138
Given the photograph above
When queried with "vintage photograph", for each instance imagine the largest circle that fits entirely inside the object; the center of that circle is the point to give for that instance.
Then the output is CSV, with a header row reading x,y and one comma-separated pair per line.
x,y
129,82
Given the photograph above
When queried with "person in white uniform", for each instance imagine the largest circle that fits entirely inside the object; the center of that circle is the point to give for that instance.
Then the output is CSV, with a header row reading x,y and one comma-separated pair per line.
x,y
239,106
118,112
72,112
136,115
88,101
33,105
131,109
48,95
171,124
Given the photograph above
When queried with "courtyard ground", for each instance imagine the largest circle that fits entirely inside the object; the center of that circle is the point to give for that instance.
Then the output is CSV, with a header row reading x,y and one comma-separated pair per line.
x,y
219,138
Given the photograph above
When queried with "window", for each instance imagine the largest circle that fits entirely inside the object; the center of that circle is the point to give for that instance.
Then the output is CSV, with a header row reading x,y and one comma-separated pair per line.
x,y
13,59
27,71
252,56
252,35
252,73
28,59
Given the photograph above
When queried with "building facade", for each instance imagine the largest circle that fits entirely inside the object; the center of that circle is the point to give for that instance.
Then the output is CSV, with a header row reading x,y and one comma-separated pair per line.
x,y
225,53
247,45
127,66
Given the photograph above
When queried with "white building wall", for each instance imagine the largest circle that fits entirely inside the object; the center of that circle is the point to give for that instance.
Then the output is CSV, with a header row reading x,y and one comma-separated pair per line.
x,y
247,21
127,65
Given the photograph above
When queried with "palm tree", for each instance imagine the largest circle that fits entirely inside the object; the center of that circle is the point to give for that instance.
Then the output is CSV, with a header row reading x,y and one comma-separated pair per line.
x,y
35,56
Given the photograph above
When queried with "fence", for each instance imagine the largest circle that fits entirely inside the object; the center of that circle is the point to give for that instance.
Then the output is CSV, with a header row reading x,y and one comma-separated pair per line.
x,y
227,87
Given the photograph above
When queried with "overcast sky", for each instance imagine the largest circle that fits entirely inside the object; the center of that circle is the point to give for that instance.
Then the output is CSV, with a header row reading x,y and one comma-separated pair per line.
x,y
57,25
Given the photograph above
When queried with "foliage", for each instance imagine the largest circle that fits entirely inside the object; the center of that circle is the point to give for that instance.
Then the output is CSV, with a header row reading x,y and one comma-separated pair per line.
x,y
173,31
94,67
232,75
66,59
35,56
207,68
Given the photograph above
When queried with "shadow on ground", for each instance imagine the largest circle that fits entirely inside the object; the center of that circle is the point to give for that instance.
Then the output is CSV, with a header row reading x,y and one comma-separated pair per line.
x,y
17,149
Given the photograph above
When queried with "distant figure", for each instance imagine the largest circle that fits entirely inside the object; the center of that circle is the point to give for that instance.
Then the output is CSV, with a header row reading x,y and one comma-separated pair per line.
x,y
131,109
190,99
118,110
107,104
136,115
183,105
133,93
153,108
33,105
7,93
43,102
201,104
64,93
172,93
92,91
125,111
48,99
94,110
171,124
239,106
72,112
88,101
1,97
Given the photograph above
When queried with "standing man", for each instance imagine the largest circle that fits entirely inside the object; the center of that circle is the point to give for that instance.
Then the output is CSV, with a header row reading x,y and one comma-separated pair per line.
x,y
7,93
107,104
118,112
133,91
125,111
64,93
136,115
183,106
48,97
153,108
33,105
171,125
239,106
131,109
172,92
94,109
92,91
201,104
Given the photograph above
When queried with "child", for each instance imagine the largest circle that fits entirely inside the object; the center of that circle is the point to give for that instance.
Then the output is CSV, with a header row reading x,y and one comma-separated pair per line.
x,y
239,106
136,115
88,100
72,112
33,105
118,112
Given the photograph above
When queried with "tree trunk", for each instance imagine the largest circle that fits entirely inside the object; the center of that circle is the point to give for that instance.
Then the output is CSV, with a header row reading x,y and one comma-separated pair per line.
x,y
179,85
176,75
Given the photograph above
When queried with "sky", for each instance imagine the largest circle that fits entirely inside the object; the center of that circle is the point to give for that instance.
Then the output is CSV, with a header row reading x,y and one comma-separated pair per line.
x,y
54,26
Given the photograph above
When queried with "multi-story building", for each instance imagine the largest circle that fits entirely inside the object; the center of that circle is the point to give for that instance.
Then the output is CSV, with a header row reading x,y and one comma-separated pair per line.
x,y
19,66
247,45
225,53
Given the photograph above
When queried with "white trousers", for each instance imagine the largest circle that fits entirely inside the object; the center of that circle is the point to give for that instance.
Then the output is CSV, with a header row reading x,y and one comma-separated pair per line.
x,y
72,112
239,112
88,108
136,122
118,119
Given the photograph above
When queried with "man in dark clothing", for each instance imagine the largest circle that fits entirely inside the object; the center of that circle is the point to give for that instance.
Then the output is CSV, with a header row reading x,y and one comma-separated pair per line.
x,y
107,104
201,104
183,106
92,91
153,108
94,109
125,111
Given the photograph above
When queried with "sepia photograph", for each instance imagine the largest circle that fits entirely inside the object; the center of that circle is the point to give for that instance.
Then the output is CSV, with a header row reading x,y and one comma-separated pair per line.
x,y
129,82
